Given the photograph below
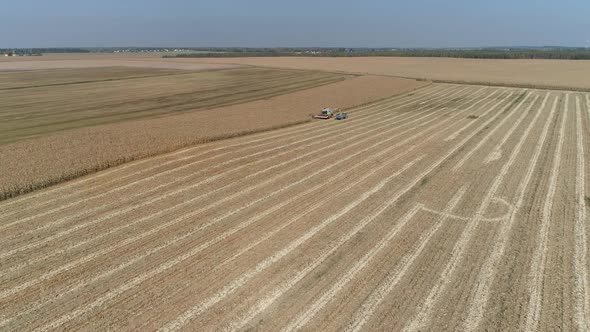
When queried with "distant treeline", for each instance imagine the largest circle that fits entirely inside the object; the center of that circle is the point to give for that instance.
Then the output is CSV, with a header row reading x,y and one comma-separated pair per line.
x,y
39,51
562,54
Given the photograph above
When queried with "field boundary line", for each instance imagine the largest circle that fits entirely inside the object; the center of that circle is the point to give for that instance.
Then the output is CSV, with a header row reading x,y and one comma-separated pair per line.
x,y
487,273
377,295
536,274
187,315
581,288
422,317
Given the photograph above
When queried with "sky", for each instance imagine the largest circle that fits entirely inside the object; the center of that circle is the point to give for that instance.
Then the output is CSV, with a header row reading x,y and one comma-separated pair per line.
x,y
299,23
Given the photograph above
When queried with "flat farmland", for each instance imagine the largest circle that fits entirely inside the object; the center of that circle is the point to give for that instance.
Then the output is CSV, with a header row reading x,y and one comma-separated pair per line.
x,y
453,207
22,79
561,74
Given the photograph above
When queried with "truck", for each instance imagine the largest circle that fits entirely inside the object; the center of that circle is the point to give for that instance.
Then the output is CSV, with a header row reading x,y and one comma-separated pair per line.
x,y
341,116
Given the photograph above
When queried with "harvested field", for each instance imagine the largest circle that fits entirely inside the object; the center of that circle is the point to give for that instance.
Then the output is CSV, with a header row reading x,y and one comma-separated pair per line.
x,y
40,108
99,147
39,78
90,61
560,74
564,74
474,196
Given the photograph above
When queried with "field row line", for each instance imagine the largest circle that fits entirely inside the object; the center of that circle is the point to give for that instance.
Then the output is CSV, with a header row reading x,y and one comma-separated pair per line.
x,y
536,273
581,287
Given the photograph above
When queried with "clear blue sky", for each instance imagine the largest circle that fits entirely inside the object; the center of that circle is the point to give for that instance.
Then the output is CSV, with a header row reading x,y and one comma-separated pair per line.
x,y
330,23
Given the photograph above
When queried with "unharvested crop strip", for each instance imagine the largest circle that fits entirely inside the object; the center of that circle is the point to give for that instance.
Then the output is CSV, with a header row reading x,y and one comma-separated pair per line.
x,y
159,198
581,288
462,161
238,283
537,272
422,318
487,272
265,141
367,309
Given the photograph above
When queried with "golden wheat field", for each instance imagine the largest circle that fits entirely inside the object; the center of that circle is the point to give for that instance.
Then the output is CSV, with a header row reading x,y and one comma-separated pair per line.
x,y
453,207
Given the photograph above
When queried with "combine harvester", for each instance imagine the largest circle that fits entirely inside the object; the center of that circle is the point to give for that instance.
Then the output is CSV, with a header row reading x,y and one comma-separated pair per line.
x,y
328,113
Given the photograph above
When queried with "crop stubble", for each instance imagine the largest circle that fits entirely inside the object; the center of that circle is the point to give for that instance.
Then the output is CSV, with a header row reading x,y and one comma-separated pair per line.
x,y
376,222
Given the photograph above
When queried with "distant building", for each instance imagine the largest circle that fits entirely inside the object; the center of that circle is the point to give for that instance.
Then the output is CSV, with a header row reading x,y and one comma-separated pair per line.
x,y
8,53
